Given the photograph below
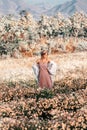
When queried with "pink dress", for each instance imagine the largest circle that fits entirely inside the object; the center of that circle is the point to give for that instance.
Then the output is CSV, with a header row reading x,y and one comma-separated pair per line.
x,y
44,76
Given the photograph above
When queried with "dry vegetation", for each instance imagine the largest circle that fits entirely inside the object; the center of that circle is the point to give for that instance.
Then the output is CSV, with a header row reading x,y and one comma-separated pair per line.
x,y
72,65
23,106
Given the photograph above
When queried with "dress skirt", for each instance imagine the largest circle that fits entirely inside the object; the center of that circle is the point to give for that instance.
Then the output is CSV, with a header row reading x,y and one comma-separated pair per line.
x,y
44,78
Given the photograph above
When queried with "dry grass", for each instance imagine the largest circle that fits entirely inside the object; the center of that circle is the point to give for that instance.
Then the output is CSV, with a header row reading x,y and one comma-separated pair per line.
x,y
69,65
25,107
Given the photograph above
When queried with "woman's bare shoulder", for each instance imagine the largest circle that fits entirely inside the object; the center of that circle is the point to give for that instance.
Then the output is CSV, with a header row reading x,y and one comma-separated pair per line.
x,y
38,61
48,60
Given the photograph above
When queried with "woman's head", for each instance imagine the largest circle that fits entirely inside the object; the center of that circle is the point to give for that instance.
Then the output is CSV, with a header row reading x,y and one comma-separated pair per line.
x,y
44,53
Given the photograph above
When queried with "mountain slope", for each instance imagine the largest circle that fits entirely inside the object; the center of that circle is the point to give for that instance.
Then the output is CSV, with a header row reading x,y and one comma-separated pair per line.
x,y
10,6
15,6
69,8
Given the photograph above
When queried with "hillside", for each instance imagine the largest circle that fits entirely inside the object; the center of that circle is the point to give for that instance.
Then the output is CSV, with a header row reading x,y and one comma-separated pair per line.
x,y
68,8
15,6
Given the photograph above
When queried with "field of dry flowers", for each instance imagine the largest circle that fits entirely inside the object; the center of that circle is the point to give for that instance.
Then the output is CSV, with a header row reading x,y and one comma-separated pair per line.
x,y
24,107
69,65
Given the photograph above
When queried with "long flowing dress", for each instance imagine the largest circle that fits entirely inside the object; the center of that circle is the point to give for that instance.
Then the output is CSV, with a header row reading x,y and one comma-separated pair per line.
x,y
44,76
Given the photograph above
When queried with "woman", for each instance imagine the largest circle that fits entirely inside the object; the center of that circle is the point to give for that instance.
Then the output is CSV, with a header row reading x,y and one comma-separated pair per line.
x,y
44,78
44,71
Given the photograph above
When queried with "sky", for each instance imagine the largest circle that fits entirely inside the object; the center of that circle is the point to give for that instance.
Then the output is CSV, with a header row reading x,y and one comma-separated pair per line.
x,y
54,2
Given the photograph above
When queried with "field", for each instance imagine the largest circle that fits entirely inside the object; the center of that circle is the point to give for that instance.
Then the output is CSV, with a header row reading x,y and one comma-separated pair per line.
x,y
25,107
70,65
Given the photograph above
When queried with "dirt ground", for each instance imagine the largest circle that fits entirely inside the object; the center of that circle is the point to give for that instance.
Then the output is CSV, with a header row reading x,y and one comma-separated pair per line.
x,y
69,65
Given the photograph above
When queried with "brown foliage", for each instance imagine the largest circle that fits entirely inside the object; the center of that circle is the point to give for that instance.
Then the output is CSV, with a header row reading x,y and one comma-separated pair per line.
x,y
27,53
70,48
23,106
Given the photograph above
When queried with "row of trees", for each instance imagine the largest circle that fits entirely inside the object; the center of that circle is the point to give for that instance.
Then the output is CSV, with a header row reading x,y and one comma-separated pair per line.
x,y
28,30
75,25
